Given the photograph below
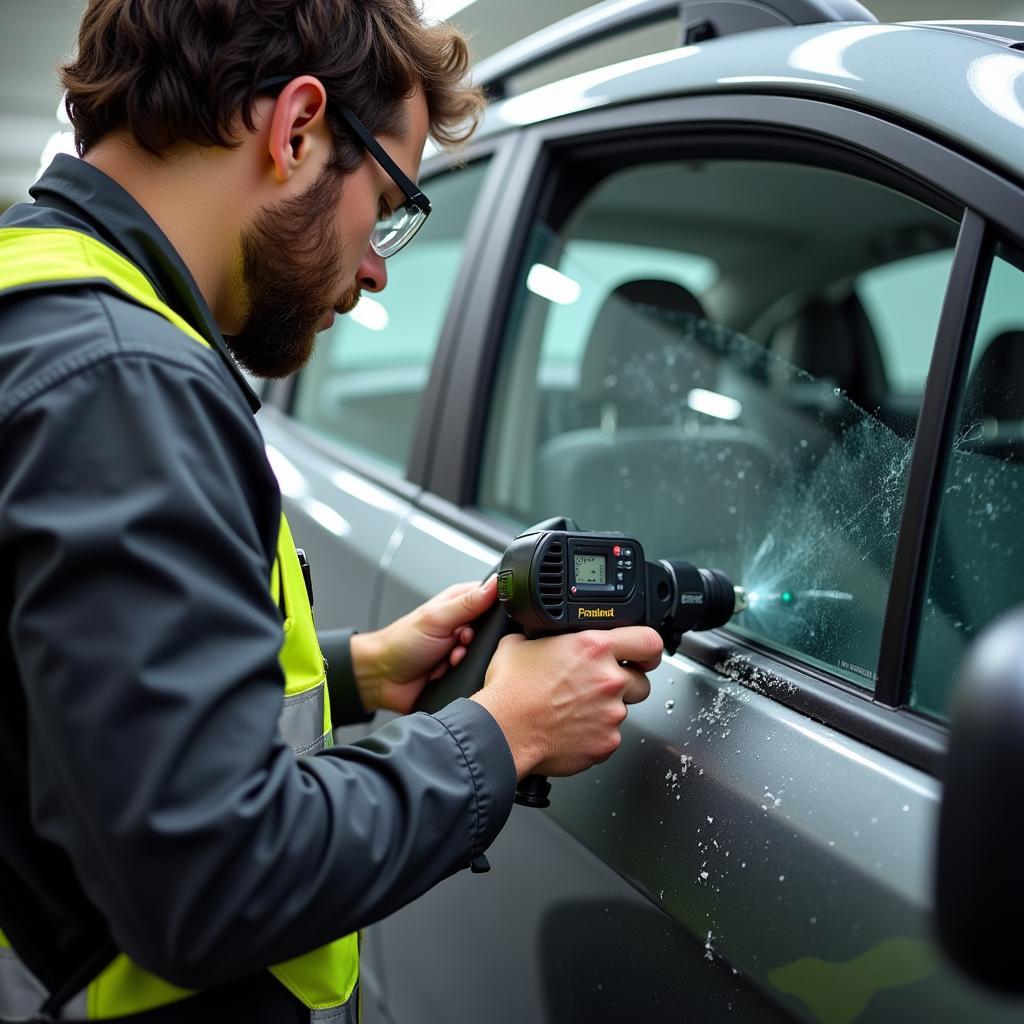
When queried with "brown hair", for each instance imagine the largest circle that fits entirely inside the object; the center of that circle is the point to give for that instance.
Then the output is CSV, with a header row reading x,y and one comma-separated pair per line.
x,y
171,71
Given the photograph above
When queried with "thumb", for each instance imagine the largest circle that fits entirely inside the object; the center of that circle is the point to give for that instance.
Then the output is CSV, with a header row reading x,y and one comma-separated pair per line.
x,y
467,603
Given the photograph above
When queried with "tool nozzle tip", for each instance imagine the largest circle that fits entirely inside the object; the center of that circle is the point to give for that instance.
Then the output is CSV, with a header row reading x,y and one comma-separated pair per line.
x,y
741,601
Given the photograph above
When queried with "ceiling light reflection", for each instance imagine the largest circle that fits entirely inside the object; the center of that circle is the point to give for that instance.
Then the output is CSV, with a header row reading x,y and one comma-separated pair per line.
x,y
824,54
711,403
362,490
452,538
778,80
289,478
552,285
326,517
581,92
998,81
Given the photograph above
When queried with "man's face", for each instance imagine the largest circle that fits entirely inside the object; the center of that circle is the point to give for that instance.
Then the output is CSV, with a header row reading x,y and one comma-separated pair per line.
x,y
307,257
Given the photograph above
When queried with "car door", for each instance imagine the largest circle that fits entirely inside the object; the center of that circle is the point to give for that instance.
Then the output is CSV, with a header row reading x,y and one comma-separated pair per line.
x,y
737,327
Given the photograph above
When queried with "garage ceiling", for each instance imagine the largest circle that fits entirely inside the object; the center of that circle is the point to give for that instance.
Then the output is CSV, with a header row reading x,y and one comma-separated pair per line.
x,y
35,35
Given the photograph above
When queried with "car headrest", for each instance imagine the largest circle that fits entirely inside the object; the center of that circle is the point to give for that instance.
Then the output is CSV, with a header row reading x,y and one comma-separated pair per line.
x,y
992,392
622,328
835,343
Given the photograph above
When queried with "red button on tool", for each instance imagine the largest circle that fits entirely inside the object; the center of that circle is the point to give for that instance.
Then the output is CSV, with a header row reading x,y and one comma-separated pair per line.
x,y
616,551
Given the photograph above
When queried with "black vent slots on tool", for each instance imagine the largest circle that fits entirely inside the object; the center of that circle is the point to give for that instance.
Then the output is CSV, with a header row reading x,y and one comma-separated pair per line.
x,y
551,584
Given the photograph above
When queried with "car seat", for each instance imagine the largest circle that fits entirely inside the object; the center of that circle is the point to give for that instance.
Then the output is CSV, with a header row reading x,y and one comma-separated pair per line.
x,y
995,400
835,344
693,496
978,542
636,457
622,374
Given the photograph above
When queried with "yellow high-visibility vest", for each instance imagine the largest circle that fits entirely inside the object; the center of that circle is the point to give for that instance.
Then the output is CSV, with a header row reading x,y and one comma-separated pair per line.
x,y
325,979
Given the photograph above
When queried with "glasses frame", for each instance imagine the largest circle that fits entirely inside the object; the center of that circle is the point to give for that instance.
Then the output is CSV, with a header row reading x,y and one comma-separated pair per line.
x,y
414,197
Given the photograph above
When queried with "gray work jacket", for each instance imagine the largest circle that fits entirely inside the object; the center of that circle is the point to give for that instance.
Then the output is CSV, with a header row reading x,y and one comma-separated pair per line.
x,y
143,785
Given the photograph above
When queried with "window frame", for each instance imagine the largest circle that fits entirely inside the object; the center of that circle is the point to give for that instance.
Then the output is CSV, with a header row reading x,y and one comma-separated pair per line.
x,y
827,134
933,441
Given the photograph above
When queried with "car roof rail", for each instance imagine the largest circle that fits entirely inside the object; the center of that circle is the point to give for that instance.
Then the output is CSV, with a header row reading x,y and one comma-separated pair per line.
x,y
699,21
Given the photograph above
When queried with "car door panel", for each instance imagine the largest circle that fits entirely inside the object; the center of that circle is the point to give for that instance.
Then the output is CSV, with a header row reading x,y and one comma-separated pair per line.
x,y
428,556
803,857
342,520
791,854
551,934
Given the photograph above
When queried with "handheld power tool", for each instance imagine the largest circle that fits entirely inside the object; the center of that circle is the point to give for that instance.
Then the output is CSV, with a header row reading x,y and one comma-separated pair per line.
x,y
566,580
555,578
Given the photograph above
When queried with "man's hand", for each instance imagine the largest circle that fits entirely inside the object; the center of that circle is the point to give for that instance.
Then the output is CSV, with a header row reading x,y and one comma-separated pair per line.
x,y
393,664
561,700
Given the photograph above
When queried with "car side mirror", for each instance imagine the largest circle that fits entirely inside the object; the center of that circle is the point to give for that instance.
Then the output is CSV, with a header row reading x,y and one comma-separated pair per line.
x,y
980,872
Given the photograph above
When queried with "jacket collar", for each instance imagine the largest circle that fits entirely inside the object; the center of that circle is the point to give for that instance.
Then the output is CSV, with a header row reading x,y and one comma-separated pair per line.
x,y
84,192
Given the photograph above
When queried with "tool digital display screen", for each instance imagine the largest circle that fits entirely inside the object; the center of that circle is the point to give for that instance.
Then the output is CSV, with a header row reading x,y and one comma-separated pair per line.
x,y
590,569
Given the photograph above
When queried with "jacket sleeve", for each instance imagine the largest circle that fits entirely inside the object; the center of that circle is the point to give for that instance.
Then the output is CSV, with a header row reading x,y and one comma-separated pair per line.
x,y
346,704
147,643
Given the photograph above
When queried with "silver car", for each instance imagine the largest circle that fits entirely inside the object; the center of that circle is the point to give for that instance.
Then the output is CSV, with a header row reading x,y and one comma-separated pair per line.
x,y
758,301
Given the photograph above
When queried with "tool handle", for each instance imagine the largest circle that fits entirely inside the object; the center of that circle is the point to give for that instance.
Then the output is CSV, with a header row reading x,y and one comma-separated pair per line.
x,y
533,791
467,677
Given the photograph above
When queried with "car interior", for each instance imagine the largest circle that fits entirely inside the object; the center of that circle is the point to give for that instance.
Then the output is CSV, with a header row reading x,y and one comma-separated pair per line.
x,y
708,420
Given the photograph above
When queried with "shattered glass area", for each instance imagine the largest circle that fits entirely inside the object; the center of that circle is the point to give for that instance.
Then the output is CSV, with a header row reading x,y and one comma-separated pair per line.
x,y
797,497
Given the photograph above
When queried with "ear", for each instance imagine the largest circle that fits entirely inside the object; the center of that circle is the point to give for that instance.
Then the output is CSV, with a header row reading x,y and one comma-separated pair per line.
x,y
297,119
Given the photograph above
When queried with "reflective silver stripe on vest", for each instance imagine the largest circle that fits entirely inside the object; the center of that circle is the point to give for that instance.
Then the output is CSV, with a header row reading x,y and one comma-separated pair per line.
x,y
21,993
347,1013
302,721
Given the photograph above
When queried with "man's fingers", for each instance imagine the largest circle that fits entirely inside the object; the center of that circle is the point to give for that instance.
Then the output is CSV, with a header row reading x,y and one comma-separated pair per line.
x,y
478,599
646,666
640,645
638,687
460,604
455,590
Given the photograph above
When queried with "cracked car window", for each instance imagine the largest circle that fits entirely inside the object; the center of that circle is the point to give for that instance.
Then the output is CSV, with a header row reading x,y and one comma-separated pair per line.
x,y
726,359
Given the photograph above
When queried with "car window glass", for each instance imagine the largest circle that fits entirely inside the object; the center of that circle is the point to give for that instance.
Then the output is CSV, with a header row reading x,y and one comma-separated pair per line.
x,y
978,565
607,266
731,406
364,384
902,300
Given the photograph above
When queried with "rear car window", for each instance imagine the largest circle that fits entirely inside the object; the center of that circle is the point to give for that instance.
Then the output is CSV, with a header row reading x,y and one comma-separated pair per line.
x,y
978,567
363,387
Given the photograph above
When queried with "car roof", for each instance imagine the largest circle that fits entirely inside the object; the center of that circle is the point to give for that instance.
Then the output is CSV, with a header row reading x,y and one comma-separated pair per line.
x,y
963,82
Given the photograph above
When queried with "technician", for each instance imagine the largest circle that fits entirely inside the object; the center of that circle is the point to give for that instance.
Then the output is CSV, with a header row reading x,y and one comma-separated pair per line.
x,y
179,840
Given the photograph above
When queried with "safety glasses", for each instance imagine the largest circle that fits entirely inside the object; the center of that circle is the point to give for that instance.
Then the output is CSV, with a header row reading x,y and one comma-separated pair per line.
x,y
395,230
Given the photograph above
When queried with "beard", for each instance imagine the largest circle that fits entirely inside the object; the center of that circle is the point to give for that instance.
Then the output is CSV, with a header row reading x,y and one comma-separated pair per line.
x,y
289,258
